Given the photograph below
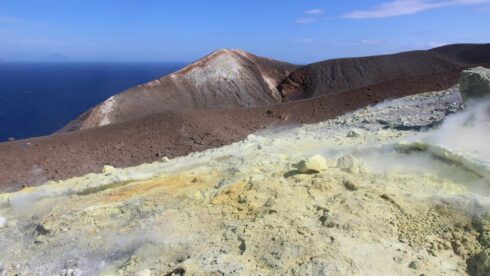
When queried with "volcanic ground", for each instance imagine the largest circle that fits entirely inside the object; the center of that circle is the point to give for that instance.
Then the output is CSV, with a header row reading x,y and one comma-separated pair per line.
x,y
186,112
379,197
365,166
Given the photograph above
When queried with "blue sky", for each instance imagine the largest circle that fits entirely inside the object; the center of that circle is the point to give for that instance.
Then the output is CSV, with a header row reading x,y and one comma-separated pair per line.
x,y
298,31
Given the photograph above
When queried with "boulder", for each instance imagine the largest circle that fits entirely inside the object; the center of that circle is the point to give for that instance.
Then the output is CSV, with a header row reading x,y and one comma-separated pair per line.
x,y
108,169
475,83
313,164
351,164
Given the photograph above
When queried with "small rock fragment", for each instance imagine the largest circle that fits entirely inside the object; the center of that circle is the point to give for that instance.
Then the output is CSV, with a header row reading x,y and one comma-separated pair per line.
x,y
3,222
349,185
353,134
165,159
398,260
313,164
414,265
453,108
325,219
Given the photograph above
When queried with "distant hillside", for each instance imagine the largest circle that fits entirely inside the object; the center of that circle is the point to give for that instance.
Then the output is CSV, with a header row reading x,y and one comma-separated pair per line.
x,y
55,57
464,54
223,79
337,75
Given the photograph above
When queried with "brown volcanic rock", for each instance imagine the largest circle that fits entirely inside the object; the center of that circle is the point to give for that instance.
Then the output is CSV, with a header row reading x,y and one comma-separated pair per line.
x,y
338,75
333,76
466,55
193,117
296,85
233,78
176,133
223,79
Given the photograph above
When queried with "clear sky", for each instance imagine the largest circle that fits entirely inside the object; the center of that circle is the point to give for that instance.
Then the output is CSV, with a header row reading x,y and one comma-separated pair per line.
x,y
298,31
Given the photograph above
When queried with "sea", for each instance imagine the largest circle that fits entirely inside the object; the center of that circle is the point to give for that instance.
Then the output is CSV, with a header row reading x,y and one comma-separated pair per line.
x,y
37,99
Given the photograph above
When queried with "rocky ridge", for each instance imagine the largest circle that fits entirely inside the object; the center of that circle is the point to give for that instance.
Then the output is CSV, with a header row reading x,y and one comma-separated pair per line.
x,y
234,78
179,133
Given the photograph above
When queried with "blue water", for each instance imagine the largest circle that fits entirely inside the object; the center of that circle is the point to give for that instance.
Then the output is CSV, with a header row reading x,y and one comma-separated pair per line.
x,y
39,98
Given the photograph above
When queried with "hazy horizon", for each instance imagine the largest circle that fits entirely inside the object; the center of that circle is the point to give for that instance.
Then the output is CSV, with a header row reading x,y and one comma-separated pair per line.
x,y
294,31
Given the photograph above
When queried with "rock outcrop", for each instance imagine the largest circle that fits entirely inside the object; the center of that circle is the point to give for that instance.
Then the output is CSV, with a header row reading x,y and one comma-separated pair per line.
x,y
475,83
313,164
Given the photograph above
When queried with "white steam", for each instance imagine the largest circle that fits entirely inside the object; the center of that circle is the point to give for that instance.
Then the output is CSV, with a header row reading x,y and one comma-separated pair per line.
x,y
467,131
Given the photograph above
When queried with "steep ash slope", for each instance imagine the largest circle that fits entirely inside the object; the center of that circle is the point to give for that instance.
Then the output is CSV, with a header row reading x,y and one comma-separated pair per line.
x,y
337,75
223,79
332,76
464,54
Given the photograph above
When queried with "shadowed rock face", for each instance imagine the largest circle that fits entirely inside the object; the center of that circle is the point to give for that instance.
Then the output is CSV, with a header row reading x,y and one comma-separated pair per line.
x,y
223,79
475,83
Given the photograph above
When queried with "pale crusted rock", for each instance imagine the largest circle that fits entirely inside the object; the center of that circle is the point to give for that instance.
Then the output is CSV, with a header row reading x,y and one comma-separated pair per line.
x,y
313,164
144,272
3,222
108,169
475,83
351,164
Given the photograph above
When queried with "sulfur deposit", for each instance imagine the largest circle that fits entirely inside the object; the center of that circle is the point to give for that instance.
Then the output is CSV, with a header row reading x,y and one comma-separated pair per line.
x,y
313,164
363,194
